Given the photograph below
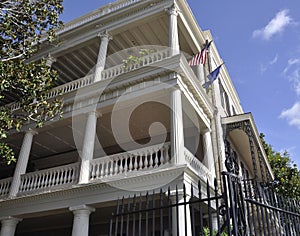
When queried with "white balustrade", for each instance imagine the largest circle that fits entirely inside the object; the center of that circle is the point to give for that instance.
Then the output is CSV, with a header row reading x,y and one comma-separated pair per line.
x,y
49,178
109,8
5,186
106,74
71,86
138,160
197,166
143,61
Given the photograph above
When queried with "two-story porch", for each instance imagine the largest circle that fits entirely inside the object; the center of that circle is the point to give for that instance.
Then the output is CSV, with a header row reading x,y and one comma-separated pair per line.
x,y
147,126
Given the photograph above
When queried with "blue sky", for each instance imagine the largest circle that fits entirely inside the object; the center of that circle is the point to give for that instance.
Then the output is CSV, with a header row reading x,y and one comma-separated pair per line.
x,y
260,44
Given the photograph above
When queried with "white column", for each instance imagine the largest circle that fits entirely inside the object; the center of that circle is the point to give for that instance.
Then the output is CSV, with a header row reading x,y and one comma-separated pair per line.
x,y
208,159
173,30
214,222
21,162
81,220
180,213
105,37
88,146
8,226
177,135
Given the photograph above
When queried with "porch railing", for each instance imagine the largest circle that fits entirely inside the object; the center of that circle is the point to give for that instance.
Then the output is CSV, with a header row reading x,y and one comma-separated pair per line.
x,y
142,159
197,166
50,178
143,61
107,9
106,74
5,186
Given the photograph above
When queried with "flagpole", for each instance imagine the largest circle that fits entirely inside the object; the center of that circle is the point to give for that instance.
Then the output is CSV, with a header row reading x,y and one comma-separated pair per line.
x,y
214,127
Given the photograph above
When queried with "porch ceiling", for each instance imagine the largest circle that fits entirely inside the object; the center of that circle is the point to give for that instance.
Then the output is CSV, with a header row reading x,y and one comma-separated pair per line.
x,y
80,60
234,128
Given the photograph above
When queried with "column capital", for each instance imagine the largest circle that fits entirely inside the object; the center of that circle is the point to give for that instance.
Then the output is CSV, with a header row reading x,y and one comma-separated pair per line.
x,y
50,60
8,225
96,113
10,220
105,35
206,130
82,209
31,131
173,10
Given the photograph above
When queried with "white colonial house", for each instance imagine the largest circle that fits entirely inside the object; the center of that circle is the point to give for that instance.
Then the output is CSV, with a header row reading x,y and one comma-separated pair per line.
x,y
135,118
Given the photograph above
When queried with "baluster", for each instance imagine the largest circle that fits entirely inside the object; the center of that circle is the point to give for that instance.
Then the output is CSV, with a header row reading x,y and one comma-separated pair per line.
x,y
63,175
151,158
38,177
73,174
93,172
111,167
59,174
162,155
21,185
102,169
141,161
39,181
47,179
167,159
52,179
26,183
107,168
67,175
57,177
31,182
21,189
116,166
135,162
42,178
121,164
156,158
146,160
97,167
130,162
126,163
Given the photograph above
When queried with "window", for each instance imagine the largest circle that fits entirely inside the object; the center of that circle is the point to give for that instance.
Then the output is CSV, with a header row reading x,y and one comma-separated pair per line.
x,y
227,104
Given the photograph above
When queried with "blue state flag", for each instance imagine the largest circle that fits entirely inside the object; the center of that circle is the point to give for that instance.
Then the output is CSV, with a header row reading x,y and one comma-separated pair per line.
x,y
212,77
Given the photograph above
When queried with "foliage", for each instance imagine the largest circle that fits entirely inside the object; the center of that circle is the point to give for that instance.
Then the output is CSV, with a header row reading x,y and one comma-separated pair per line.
x,y
132,59
24,24
286,173
207,233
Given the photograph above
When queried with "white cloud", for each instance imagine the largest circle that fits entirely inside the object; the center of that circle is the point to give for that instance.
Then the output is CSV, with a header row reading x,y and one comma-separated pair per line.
x,y
264,67
292,72
292,115
276,25
274,61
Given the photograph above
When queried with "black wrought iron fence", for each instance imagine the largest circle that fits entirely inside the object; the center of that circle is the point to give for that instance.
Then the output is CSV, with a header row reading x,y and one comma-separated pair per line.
x,y
242,208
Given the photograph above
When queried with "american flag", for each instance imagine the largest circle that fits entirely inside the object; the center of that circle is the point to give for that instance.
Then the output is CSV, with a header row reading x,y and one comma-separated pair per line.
x,y
200,57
